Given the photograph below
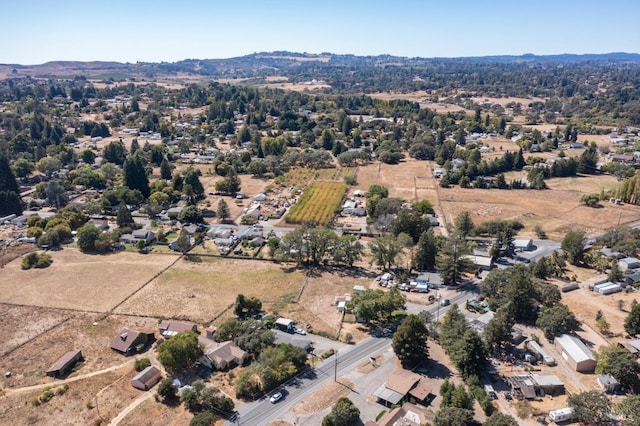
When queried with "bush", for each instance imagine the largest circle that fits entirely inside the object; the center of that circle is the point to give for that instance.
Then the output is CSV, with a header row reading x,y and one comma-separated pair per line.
x,y
142,363
35,260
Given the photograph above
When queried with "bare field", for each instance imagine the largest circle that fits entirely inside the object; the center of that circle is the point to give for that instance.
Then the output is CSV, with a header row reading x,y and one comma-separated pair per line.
x,y
79,281
316,304
75,407
556,209
202,291
29,362
23,323
151,413
410,180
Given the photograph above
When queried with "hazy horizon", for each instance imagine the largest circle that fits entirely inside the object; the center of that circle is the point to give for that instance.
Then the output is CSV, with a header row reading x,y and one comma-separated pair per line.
x,y
161,31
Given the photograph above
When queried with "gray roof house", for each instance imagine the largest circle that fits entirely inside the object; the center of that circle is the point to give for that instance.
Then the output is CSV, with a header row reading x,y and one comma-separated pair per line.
x,y
628,263
147,378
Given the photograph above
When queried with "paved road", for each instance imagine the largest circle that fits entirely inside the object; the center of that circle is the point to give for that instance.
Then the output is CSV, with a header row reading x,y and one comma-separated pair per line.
x,y
263,412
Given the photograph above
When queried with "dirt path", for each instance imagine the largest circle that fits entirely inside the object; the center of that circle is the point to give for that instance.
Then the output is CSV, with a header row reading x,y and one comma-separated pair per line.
x,y
10,391
134,404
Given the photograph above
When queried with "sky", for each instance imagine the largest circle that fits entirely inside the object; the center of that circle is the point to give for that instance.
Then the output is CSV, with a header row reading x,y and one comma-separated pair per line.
x,y
38,31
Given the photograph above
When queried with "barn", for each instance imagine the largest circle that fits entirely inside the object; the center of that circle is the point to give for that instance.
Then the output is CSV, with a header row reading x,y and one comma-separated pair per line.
x,y
576,353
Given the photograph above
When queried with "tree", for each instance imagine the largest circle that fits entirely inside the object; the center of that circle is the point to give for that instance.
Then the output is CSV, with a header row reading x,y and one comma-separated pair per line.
x,y
500,419
630,409
115,152
180,352
56,193
192,187
230,184
223,212
22,168
452,416
557,320
469,354
247,306
190,214
206,418
183,243
166,390
497,333
87,236
135,175
451,261
384,250
371,305
425,257
573,246
632,322
348,250
88,156
590,407
10,203
165,169
463,224
124,219
453,326
410,340
48,165
343,413
621,364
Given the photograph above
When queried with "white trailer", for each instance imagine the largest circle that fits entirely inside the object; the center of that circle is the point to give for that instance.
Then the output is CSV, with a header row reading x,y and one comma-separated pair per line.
x,y
561,415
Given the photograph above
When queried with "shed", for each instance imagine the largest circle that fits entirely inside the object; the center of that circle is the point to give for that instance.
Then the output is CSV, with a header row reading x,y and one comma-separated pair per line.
x,y
576,353
610,289
573,285
628,263
523,244
285,324
65,364
608,382
481,262
147,378
534,347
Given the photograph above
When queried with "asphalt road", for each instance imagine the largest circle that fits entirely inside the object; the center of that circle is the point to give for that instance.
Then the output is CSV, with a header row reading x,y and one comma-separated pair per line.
x,y
263,412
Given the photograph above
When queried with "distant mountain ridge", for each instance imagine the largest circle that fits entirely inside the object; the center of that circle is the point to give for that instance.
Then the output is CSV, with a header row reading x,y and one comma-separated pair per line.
x,y
257,64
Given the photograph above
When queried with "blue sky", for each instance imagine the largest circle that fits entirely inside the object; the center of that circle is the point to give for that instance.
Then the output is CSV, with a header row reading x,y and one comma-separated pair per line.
x,y
37,31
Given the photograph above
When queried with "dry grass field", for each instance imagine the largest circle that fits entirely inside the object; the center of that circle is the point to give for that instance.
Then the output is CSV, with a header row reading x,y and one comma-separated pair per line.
x,y
315,306
79,281
202,291
29,361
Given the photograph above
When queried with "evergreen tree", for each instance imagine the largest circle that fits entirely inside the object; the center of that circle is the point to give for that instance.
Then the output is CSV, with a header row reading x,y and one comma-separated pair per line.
x,y
10,203
632,322
135,175
425,258
223,212
124,219
464,224
165,169
410,340
7,179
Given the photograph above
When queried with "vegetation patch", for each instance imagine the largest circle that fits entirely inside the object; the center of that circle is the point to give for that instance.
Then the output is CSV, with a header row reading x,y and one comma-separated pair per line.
x,y
35,260
318,204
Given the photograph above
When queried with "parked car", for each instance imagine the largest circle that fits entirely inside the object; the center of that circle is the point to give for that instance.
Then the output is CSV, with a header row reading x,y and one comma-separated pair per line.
x,y
275,397
300,331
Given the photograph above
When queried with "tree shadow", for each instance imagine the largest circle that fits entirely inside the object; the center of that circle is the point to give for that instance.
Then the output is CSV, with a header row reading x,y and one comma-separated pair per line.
x,y
436,370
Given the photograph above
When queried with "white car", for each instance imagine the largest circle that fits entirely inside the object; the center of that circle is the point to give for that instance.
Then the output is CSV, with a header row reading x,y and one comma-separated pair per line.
x,y
300,331
275,397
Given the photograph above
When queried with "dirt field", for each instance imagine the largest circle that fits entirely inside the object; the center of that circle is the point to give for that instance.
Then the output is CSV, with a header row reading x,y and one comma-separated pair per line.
x,y
79,281
202,291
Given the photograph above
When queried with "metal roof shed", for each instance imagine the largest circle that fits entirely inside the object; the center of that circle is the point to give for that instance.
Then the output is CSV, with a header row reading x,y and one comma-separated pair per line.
x,y
576,353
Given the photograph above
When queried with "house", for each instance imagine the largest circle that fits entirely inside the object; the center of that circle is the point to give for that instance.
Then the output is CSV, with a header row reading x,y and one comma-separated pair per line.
x,y
129,341
530,386
147,378
628,263
224,355
173,212
138,235
607,252
401,386
171,328
576,353
219,232
258,242
192,229
523,244
285,324
225,242
65,364
433,279
632,279
173,245
101,224
483,263
608,383
621,158
407,415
